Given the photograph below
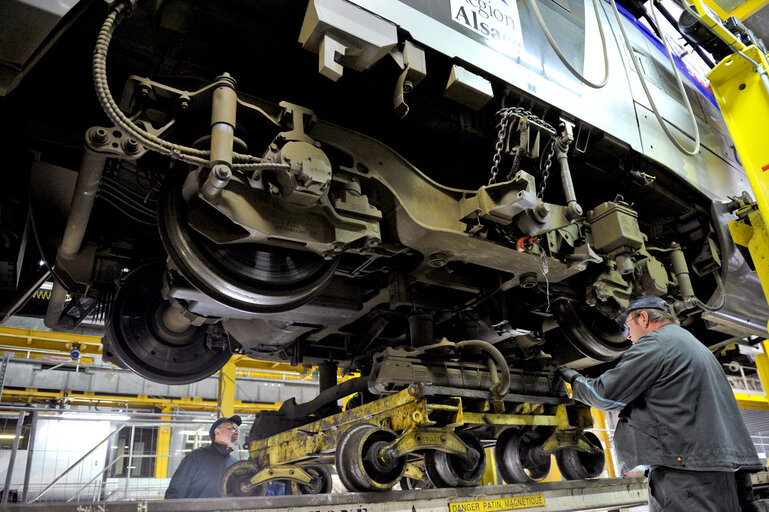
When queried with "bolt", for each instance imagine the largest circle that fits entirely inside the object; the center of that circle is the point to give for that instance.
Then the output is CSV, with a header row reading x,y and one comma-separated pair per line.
x,y
144,90
389,455
443,438
222,172
274,190
437,260
408,86
528,280
130,146
184,103
337,247
99,137
372,242
541,210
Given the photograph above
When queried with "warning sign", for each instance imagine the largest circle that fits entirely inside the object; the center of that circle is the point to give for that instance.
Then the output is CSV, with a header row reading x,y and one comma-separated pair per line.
x,y
501,504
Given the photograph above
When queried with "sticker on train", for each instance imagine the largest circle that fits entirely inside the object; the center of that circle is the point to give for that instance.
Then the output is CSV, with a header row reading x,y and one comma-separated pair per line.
x,y
496,20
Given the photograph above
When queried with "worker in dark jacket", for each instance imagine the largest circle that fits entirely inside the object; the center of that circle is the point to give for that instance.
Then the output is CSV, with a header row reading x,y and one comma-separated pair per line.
x,y
678,415
199,473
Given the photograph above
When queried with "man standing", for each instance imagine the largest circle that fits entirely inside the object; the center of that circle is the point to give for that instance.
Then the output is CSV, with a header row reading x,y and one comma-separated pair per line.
x,y
199,473
678,415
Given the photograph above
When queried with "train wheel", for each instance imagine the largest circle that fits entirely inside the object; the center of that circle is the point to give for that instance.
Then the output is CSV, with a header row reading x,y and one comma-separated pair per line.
x,y
138,337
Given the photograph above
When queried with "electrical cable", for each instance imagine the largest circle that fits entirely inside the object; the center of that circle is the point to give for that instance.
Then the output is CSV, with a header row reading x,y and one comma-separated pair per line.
x,y
110,189
562,57
676,73
722,292
174,151
107,199
674,23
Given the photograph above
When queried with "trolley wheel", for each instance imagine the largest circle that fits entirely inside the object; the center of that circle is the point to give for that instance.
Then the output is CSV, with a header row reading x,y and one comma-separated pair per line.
x,y
577,465
357,461
518,458
236,480
321,481
446,470
410,484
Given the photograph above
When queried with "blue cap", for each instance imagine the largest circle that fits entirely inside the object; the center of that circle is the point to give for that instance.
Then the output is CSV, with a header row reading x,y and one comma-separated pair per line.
x,y
643,302
234,419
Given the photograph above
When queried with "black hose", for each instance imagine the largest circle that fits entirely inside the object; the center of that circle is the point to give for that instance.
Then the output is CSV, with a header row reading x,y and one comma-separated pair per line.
x,y
501,388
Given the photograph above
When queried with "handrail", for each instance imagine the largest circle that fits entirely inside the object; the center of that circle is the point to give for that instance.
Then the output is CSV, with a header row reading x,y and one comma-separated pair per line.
x,y
107,467
78,461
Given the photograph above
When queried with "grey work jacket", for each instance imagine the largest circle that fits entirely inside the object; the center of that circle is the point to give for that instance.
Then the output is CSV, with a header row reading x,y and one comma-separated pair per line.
x,y
677,409
199,473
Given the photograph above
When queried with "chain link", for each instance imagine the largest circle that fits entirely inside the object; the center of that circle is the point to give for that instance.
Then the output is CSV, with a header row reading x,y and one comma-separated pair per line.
x,y
505,115
546,170
499,147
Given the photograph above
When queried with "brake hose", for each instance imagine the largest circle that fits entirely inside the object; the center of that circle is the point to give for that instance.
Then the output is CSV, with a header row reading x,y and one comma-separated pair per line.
x,y
562,57
676,73
174,151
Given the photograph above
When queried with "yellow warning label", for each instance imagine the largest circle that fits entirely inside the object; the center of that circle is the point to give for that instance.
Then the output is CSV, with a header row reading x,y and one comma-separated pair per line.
x,y
502,504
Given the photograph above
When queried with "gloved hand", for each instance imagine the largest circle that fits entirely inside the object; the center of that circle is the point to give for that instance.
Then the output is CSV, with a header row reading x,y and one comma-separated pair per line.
x,y
568,374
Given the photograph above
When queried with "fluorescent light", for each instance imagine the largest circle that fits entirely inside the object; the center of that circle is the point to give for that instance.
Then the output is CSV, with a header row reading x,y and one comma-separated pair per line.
x,y
10,436
95,416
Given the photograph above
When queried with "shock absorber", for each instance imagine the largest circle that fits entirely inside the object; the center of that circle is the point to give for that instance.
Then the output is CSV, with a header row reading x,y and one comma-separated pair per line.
x,y
224,105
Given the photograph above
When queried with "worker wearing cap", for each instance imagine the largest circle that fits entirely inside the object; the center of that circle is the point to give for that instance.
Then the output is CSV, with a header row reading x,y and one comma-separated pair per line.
x,y
199,473
678,415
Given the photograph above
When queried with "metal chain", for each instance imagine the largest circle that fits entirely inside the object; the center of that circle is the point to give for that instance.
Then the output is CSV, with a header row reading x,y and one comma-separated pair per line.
x,y
546,170
499,147
506,114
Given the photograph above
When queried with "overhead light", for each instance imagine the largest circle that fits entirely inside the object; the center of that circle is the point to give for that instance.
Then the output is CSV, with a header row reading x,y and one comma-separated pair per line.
x,y
10,436
95,416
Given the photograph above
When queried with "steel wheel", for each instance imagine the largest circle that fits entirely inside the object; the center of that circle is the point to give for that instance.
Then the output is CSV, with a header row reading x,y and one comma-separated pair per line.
x,y
249,277
236,480
519,459
357,461
591,333
321,481
577,465
137,338
446,470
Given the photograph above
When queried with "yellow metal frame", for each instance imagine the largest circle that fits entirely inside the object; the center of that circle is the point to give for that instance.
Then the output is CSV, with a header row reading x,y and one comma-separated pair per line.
x,y
712,14
742,12
744,104
410,413
89,398
163,446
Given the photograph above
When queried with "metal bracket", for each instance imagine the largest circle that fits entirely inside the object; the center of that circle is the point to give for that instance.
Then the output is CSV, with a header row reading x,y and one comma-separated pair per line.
x,y
441,439
293,473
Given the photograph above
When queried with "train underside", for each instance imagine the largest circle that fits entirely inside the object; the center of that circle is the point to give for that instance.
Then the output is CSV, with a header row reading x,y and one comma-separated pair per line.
x,y
387,216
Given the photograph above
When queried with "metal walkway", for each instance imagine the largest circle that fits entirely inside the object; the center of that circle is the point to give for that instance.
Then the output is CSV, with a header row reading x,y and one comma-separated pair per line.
x,y
603,494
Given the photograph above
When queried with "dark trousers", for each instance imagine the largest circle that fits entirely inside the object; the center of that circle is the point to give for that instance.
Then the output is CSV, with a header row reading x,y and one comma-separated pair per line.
x,y
674,490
